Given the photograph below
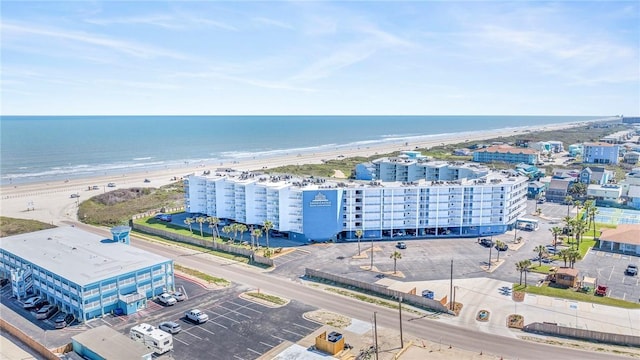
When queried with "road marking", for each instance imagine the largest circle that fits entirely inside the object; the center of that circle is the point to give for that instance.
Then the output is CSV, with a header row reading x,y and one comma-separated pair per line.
x,y
184,342
265,344
210,332
238,357
195,336
222,326
253,351
304,327
226,317
245,307
236,312
291,332
279,338
611,274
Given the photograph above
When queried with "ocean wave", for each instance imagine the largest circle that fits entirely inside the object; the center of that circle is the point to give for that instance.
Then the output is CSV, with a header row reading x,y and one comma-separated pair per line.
x,y
143,158
82,169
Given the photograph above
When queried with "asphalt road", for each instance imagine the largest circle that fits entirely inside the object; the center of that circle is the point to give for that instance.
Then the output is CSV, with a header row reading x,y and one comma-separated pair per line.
x,y
458,337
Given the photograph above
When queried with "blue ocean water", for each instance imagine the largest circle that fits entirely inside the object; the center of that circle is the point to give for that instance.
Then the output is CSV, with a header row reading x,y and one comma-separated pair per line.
x,y
42,148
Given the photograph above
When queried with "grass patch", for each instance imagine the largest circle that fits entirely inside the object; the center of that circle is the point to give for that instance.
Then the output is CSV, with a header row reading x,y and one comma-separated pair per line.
x,y
574,295
371,300
202,249
118,206
270,298
12,226
542,269
200,275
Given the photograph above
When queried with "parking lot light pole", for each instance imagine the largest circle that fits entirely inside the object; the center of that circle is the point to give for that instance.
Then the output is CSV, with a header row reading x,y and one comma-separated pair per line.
x,y
451,287
400,315
489,268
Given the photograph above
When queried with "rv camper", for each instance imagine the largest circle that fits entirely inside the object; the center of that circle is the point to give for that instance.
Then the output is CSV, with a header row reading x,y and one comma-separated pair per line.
x,y
155,339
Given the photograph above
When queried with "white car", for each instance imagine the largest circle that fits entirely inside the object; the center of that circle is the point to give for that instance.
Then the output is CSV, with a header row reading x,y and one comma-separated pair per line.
x,y
167,299
170,326
31,302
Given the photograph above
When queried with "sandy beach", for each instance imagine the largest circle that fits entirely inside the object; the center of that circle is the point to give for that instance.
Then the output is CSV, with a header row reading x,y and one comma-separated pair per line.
x,y
51,201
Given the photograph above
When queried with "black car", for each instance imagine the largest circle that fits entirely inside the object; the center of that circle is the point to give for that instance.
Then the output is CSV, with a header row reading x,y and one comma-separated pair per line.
x,y
401,245
63,320
39,304
486,242
502,247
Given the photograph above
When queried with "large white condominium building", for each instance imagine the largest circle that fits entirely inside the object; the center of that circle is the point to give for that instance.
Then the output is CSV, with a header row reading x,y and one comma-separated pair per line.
x,y
320,210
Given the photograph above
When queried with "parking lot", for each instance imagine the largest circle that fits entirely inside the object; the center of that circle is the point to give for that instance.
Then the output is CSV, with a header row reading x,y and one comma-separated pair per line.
x,y
608,269
237,328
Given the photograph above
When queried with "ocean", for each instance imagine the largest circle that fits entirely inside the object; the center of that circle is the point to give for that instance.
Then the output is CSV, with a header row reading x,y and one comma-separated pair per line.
x,y
43,148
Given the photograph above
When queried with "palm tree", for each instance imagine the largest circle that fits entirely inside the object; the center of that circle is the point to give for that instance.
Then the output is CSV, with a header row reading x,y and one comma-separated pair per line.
x,y
359,236
540,250
580,228
188,221
556,231
213,225
522,266
569,225
267,225
564,254
256,233
573,255
200,220
227,229
526,264
242,228
578,205
395,256
499,245
235,228
569,201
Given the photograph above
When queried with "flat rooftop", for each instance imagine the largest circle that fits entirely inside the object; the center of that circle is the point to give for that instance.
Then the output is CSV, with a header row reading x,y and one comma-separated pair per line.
x,y
78,255
110,344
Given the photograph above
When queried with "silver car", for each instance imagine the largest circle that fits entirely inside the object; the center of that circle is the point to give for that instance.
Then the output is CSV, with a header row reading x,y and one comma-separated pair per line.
x,y
170,327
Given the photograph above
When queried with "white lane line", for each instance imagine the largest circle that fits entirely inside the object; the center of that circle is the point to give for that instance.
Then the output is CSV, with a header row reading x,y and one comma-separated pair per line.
x,y
195,336
222,326
291,332
235,312
304,327
253,351
210,332
226,317
277,337
184,342
238,357
265,344
245,307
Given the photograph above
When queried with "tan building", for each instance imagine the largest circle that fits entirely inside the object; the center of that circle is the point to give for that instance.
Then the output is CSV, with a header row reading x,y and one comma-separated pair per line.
x,y
625,239
567,277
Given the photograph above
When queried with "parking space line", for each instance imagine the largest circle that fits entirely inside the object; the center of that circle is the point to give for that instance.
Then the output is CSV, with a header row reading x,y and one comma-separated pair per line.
x,y
304,327
291,332
265,344
222,326
277,337
184,342
238,357
236,312
253,351
245,307
195,336
209,331
226,317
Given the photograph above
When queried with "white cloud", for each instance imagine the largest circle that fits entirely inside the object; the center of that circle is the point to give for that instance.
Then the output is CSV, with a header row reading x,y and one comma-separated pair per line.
x,y
272,22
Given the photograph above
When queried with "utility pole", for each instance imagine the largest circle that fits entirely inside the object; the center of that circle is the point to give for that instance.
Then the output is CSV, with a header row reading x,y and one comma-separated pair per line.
x,y
451,287
400,314
490,255
371,254
375,334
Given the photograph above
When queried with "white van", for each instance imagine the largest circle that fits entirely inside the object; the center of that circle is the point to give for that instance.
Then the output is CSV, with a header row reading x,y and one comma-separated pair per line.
x,y
155,339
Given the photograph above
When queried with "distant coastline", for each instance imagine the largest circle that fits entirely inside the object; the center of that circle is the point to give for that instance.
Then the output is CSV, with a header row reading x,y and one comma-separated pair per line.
x,y
81,147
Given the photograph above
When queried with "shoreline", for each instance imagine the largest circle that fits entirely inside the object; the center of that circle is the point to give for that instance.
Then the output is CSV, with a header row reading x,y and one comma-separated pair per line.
x,y
50,201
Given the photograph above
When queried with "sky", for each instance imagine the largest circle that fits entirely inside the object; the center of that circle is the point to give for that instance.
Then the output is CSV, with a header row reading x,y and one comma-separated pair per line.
x,y
319,58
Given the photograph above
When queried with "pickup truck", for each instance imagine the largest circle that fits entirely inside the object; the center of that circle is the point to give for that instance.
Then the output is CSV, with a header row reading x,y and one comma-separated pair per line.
x,y
196,316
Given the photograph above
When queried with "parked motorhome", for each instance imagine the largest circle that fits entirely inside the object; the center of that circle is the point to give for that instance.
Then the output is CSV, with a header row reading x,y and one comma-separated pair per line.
x,y
155,339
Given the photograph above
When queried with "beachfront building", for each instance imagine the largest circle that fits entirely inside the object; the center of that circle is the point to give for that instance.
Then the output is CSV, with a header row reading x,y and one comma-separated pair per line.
x,y
506,153
83,273
631,157
412,166
547,146
600,153
575,150
317,210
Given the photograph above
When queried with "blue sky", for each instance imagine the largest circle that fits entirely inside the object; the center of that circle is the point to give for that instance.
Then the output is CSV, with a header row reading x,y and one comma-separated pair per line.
x,y
262,58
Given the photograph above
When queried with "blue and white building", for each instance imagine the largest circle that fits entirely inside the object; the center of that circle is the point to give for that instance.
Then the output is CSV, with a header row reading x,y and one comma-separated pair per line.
x,y
600,153
506,153
84,273
412,166
319,210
